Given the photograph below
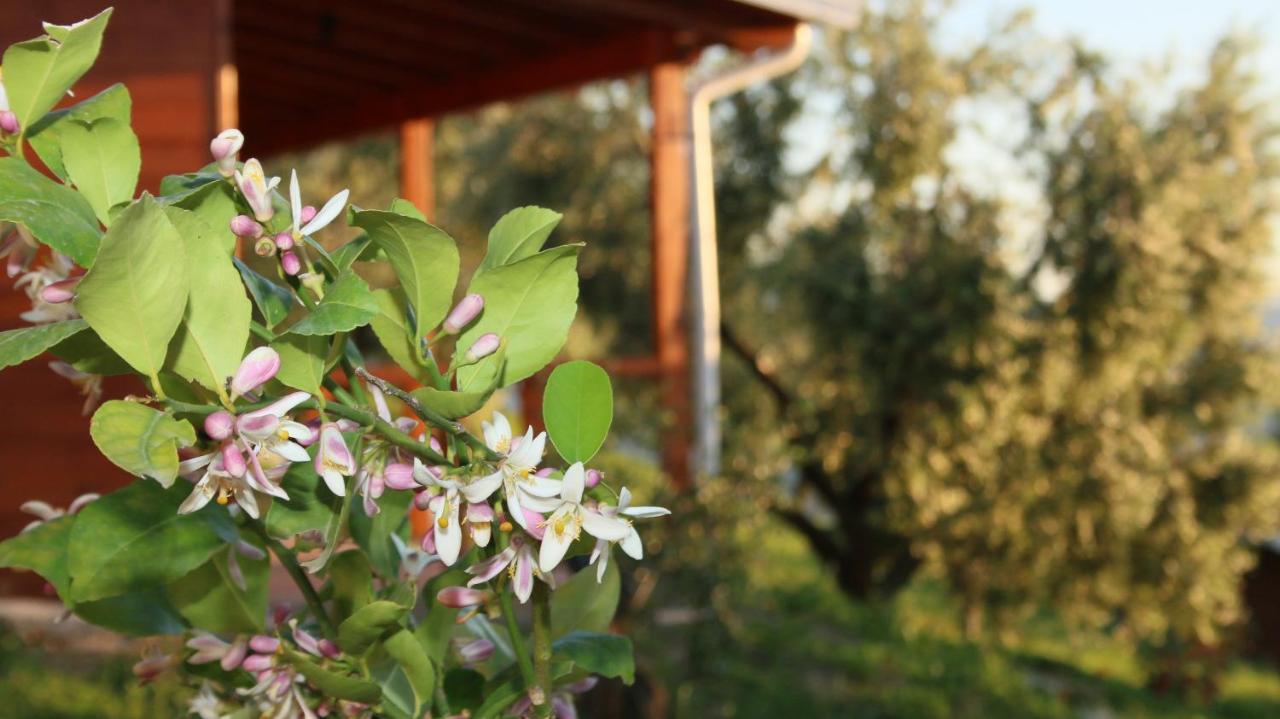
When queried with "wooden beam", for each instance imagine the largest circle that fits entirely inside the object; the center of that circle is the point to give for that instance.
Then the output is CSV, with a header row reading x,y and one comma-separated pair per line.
x,y
417,165
671,193
615,56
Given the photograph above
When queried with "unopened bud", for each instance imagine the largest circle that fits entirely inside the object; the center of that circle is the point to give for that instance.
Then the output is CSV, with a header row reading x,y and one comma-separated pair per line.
x,y
284,241
255,370
61,291
233,459
459,597
422,500
257,663
476,651
264,644
219,425
308,214
290,262
483,347
463,313
245,226
593,478
398,475
224,149
9,122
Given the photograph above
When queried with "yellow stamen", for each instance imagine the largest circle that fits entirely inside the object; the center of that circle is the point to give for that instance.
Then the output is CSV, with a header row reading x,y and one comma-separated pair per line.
x,y
505,526
443,522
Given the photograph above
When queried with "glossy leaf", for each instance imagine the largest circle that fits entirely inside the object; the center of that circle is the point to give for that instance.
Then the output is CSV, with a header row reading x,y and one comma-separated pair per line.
x,y
518,234
302,360
392,327
367,624
359,248
413,660
530,305
465,689
38,73
273,301
352,581
135,294
348,303
333,684
608,655
46,135
102,160
134,539
55,214
578,409
211,340
309,506
213,201
581,604
140,440
401,206
18,346
374,533
88,353
141,613
424,258
210,598
42,550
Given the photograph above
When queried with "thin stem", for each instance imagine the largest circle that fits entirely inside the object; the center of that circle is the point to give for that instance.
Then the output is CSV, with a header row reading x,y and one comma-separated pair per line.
x,y
430,416
299,577
261,331
386,429
518,648
541,698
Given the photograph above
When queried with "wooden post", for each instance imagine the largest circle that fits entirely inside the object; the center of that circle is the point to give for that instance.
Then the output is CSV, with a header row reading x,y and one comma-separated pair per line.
x,y
417,167
670,164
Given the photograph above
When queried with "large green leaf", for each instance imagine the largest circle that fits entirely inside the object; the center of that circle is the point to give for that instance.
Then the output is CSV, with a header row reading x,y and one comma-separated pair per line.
x,y
140,440
351,578
308,506
578,409
582,604
608,655
18,346
46,135
38,73
373,534
302,359
530,305
135,294
367,624
518,234
273,301
210,342
55,214
135,539
333,684
392,327
141,613
424,258
88,353
210,597
102,159
214,202
43,550
417,666
347,304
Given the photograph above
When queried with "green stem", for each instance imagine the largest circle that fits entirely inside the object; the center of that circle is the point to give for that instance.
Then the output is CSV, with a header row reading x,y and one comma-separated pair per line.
x,y
430,416
518,648
299,577
542,649
386,429
261,331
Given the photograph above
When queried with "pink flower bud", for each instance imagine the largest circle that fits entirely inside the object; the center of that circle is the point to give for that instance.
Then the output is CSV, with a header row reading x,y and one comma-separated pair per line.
x,y
308,214
233,459
258,367
459,597
9,122
235,655
56,293
329,649
593,478
483,347
256,188
334,460
398,475
219,425
545,471
245,226
421,501
224,149
290,262
257,663
463,313
476,651
151,667
428,539
264,644
284,241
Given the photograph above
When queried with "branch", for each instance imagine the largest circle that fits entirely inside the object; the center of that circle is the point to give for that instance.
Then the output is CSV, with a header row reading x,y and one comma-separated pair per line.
x,y
429,415
820,540
735,344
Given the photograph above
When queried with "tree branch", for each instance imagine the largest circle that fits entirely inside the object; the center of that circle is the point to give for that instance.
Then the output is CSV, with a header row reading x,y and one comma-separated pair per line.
x,y
429,415
738,347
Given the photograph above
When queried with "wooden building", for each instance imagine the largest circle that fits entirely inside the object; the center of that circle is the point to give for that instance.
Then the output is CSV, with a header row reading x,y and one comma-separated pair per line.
x,y
293,73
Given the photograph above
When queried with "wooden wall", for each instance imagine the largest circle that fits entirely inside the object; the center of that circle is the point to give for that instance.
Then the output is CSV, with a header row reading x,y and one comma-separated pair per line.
x,y
168,54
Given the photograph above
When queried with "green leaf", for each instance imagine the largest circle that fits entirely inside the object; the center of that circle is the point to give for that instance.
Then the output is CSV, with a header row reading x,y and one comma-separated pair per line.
x,y
211,599
331,683
135,294
347,304
401,206
302,359
359,248
391,326
210,342
439,626
55,214
367,624
38,73
135,539
412,658
373,534
608,655
308,506
102,160
518,234
18,346
273,301
88,353
578,409
142,613
43,550
46,135
423,256
214,202
582,604
451,404
333,528
352,581
500,694
140,440
465,689
530,305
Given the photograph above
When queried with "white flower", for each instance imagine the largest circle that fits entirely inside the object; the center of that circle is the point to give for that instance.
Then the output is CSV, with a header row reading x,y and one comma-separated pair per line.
x,y
256,188
34,282
518,560
333,459
569,519
515,473
445,508
631,543
217,482
332,208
